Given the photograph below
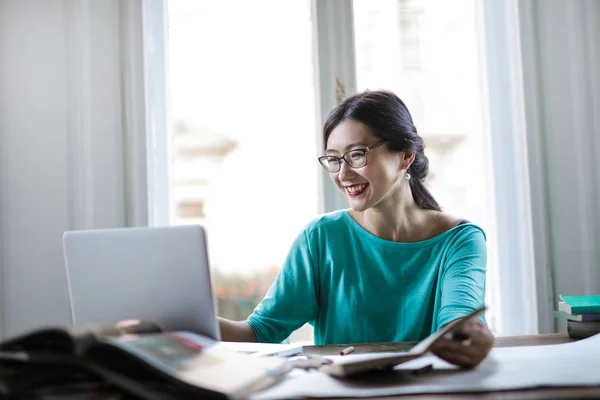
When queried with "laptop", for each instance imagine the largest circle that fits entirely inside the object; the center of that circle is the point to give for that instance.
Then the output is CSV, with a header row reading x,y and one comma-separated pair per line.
x,y
157,274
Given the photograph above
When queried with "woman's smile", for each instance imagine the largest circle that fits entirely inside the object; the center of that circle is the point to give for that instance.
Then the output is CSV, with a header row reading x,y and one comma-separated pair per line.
x,y
356,190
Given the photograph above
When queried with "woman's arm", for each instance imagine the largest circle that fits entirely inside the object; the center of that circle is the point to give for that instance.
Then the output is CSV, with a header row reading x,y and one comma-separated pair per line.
x,y
292,299
289,303
463,290
236,331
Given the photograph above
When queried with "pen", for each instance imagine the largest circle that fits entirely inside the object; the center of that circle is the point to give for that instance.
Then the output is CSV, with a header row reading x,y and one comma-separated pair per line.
x,y
347,350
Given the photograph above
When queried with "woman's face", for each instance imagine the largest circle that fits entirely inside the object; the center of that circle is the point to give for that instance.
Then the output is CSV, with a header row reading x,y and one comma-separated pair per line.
x,y
379,179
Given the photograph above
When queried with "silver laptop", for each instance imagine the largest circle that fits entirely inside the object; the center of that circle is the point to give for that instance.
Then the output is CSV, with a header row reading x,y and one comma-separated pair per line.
x,y
160,275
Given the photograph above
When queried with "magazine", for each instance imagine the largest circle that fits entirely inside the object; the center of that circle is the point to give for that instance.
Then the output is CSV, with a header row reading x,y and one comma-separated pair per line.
x,y
139,358
350,365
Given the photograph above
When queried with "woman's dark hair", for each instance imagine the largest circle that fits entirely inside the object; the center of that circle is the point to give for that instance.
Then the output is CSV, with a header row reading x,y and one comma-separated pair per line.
x,y
388,118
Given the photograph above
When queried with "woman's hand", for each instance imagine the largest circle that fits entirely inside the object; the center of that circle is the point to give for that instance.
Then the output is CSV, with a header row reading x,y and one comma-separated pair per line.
x,y
469,352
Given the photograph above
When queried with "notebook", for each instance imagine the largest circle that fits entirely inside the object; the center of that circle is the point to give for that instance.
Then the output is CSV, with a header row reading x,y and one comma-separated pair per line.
x,y
351,365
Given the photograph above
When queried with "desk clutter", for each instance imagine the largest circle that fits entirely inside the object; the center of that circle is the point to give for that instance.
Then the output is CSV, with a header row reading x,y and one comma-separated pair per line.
x,y
568,365
582,314
133,358
137,360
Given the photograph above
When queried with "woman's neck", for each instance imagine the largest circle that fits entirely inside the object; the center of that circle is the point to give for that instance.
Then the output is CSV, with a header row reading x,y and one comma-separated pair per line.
x,y
397,219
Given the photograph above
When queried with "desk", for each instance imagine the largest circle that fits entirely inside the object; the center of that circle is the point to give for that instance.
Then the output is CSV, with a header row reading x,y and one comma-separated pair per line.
x,y
508,341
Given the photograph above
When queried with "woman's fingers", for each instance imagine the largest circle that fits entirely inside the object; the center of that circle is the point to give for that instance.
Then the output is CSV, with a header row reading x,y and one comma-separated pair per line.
x,y
454,347
458,358
481,338
467,353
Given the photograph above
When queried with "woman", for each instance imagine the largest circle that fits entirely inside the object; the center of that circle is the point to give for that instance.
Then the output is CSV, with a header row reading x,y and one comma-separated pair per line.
x,y
393,267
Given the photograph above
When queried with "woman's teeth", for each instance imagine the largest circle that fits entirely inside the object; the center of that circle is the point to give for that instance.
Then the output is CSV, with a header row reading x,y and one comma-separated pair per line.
x,y
356,189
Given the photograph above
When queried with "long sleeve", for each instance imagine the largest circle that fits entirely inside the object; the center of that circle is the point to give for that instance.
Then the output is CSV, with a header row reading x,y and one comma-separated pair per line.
x,y
292,299
463,277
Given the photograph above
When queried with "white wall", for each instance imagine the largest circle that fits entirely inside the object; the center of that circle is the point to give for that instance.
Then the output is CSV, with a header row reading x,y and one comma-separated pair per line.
x,y
61,146
561,50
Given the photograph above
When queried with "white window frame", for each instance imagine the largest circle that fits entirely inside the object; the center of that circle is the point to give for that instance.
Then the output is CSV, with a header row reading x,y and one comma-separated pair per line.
x,y
147,137
335,59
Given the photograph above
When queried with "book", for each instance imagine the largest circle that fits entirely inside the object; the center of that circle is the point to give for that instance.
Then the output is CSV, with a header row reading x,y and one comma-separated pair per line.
x,y
351,365
139,358
577,317
579,304
582,330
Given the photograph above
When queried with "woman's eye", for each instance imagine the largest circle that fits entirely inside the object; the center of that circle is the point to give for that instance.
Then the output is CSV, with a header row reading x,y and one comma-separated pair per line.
x,y
356,155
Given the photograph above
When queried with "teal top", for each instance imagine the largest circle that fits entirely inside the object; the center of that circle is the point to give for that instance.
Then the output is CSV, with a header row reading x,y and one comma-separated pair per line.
x,y
355,287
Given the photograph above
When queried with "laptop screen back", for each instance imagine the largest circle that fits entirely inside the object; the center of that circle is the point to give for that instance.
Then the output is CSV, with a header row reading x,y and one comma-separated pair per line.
x,y
158,274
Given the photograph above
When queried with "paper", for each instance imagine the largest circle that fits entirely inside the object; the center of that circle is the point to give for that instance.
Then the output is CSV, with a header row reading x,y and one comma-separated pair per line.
x,y
506,368
265,349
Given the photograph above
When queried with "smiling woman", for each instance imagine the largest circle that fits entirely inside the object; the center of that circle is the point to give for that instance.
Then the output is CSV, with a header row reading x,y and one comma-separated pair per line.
x,y
360,122
393,267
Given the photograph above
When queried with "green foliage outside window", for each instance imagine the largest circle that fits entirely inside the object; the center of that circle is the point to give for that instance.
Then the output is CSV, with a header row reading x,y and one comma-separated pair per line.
x,y
238,293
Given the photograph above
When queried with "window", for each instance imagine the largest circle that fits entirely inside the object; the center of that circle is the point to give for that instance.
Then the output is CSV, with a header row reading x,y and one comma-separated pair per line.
x,y
244,139
409,15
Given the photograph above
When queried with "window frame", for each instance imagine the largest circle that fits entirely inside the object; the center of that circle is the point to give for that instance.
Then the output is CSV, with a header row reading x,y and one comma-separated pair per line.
x,y
145,82
335,69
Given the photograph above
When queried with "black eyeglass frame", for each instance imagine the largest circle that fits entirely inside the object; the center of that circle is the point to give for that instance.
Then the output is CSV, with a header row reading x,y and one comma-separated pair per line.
x,y
365,151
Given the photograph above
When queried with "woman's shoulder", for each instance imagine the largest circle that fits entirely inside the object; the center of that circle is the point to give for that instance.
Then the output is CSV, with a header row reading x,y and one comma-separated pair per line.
x,y
331,220
460,227
326,229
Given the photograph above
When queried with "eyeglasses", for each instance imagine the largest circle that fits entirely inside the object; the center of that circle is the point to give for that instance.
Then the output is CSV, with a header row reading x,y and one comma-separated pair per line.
x,y
354,158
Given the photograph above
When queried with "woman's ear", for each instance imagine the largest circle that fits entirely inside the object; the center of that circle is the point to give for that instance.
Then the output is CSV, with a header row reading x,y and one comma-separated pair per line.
x,y
407,159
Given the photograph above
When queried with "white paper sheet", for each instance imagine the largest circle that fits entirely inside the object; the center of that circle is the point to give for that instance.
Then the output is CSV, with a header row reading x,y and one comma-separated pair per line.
x,y
569,364
262,349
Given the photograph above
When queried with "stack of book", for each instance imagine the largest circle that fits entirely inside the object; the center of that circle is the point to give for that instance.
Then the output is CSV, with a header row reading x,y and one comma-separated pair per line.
x,y
582,314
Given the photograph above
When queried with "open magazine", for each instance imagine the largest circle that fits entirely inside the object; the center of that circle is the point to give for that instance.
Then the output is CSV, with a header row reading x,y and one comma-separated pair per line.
x,y
138,358
347,366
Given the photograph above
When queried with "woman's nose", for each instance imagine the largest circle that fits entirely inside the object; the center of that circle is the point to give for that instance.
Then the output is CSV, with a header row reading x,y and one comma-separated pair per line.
x,y
346,171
